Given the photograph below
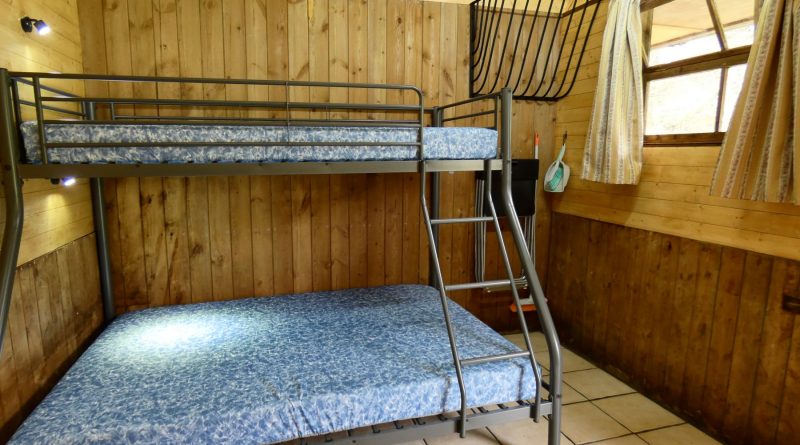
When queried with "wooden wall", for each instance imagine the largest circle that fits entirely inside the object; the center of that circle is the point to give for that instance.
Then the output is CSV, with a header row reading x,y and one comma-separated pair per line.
x,y
672,197
186,240
54,215
697,326
55,305
55,310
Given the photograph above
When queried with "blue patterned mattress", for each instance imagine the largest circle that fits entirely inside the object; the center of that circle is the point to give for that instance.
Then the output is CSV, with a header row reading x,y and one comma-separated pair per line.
x,y
271,369
440,143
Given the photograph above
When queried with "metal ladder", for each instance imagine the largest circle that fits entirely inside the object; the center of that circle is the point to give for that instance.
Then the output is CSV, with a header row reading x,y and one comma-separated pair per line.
x,y
444,289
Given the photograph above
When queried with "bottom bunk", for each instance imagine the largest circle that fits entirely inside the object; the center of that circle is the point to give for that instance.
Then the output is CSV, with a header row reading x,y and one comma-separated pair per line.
x,y
272,369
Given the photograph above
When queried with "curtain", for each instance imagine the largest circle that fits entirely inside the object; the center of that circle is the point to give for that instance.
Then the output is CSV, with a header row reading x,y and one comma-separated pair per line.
x,y
613,152
760,158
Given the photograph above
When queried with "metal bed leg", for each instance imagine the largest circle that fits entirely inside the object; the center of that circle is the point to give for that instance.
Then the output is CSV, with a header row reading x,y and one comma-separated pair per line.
x,y
548,327
12,185
103,257
435,206
435,202
101,234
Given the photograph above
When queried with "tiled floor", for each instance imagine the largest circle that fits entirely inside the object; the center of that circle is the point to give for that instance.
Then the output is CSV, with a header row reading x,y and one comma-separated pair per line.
x,y
598,410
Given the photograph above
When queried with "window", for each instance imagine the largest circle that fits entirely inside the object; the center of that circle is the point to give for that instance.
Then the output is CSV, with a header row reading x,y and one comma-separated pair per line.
x,y
694,69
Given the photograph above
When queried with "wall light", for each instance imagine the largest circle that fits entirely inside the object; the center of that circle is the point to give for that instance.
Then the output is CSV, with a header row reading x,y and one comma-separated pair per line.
x,y
29,24
67,182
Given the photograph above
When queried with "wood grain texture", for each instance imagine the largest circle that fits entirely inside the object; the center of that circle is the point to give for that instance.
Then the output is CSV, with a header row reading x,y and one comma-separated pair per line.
x,y
703,332
226,238
55,311
673,194
55,215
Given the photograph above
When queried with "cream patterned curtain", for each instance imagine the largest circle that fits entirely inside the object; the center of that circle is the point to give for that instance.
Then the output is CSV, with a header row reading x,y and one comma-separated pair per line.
x,y
760,158
613,152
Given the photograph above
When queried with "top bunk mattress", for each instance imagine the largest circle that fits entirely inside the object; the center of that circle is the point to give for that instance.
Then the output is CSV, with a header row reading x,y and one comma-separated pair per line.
x,y
272,369
440,143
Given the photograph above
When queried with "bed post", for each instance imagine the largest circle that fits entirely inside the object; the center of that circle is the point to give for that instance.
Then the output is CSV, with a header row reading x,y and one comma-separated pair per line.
x,y
103,258
435,200
101,235
12,184
548,327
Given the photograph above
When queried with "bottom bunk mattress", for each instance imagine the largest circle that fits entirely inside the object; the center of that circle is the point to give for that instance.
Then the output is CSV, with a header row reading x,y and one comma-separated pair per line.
x,y
270,369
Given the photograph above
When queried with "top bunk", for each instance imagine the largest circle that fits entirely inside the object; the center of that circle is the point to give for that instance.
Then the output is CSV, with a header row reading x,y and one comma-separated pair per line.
x,y
81,125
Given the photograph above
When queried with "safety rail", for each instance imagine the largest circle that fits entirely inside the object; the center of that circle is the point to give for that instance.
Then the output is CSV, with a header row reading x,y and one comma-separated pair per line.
x,y
93,106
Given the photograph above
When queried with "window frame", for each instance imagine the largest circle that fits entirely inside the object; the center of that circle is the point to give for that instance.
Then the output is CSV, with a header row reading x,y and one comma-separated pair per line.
x,y
723,59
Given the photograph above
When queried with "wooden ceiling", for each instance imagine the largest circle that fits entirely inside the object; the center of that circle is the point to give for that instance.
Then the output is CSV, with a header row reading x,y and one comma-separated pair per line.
x,y
675,21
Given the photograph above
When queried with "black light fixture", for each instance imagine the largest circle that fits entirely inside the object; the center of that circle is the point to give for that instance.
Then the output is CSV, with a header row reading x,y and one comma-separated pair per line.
x,y
29,24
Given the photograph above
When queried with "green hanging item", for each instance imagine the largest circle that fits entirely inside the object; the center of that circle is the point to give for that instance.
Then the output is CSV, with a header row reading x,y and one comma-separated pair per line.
x,y
557,176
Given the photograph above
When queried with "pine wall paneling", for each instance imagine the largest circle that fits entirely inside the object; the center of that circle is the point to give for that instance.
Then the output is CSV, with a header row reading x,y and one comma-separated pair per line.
x,y
56,310
197,239
54,215
55,305
672,197
697,326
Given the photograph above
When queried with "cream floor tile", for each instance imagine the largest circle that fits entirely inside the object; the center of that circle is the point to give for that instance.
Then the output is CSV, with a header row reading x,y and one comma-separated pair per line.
x,y
678,435
596,383
537,338
523,432
637,413
568,393
624,440
584,422
571,361
474,437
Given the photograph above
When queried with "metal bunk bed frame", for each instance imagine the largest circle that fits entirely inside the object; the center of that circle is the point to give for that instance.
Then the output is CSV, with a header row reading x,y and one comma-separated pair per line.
x,y
52,100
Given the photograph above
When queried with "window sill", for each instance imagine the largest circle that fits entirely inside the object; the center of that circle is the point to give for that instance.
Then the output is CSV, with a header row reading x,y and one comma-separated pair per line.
x,y
684,139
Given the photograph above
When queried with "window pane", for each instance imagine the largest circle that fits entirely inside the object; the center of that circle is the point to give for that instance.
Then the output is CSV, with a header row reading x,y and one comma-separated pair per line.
x,y
683,104
732,89
740,35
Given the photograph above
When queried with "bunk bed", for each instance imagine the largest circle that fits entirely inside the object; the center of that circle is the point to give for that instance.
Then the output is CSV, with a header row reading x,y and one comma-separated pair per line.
x,y
371,365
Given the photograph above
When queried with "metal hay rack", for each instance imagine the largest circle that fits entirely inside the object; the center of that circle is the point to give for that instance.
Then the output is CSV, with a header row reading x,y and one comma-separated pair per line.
x,y
533,47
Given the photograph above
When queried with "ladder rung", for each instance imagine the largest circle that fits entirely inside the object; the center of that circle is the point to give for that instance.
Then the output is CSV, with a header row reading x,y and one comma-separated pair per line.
x,y
477,285
471,219
494,358
521,283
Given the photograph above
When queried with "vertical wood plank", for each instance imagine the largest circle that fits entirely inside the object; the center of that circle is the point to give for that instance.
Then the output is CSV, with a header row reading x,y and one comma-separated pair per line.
x,y
376,48
773,355
241,237
261,217
700,326
282,237
357,213
301,233
131,241
340,233
411,228
758,269
393,245
176,225
321,232
237,66
685,285
376,230
726,309
338,50
788,428
154,238
219,229
199,239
